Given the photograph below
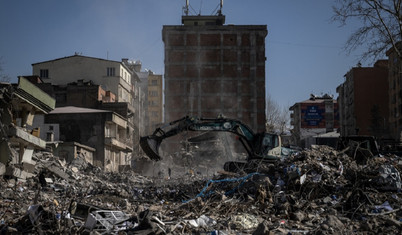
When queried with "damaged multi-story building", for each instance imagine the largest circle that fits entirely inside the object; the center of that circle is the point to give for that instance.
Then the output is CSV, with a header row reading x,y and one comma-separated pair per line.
x,y
94,83
99,84
19,103
215,69
105,131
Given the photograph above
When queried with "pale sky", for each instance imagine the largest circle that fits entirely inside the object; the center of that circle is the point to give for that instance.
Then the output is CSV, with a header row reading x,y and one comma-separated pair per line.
x,y
303,47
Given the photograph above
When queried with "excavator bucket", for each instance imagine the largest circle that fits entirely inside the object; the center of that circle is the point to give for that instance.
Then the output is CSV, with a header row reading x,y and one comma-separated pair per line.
x,y
150,146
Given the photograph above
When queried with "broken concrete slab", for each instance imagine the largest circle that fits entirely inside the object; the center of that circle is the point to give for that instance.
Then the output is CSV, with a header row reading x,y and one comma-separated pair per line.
x,y
2,169
28,167
18,173
58,171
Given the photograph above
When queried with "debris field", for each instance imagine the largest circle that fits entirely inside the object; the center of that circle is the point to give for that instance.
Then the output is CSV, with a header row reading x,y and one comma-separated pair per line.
x,y
314,191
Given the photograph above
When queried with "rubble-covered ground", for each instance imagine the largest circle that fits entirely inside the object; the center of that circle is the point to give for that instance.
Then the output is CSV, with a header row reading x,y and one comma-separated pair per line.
x,y
316,191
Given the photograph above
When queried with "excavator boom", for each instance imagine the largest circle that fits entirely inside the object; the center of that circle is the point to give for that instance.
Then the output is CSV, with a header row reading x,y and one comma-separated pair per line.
x,y
150,144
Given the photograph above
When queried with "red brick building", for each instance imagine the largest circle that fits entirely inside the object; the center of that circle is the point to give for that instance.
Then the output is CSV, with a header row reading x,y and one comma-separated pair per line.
x,y
213,69
363,101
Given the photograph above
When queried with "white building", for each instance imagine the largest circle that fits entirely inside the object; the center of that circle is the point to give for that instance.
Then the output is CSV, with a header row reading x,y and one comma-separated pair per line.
x,y
114,76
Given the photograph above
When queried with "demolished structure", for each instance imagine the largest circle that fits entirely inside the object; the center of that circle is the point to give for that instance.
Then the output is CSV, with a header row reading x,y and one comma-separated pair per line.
x,y
103,130
317,191
19,103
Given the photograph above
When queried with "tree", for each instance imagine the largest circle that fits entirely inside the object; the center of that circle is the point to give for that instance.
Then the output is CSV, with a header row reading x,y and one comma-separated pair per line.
x,y
277,117
3,77
381,26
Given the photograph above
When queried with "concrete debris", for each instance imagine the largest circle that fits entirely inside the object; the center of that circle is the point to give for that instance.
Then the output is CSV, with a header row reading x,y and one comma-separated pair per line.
x,y
316,191
2,168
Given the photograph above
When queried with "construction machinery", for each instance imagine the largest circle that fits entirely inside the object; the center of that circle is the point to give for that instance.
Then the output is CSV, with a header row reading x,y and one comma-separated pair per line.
x,y
259,146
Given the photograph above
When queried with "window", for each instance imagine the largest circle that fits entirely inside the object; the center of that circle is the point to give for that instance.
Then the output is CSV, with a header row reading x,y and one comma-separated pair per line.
x,y
152,103
44,73
50,128
153,93
110,72
154,82
49,137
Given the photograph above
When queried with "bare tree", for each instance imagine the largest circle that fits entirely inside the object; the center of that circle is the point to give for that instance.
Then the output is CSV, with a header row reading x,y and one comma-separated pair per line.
x,y
277,117
381,25
3,77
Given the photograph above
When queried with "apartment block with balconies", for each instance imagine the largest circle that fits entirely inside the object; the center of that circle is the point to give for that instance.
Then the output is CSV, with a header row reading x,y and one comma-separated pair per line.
x,y
103,130
113,76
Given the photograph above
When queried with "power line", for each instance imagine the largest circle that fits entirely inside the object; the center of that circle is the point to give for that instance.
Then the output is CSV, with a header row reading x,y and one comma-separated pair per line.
x,y
305,45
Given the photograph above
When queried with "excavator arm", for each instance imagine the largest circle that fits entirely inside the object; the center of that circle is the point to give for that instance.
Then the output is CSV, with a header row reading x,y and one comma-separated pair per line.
x,y
150,144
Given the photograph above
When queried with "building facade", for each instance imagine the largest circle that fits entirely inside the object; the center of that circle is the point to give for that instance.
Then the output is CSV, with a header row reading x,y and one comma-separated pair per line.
x,y
363,101
155,100
214,69
395,94
114,76
96,83
312,117
103,130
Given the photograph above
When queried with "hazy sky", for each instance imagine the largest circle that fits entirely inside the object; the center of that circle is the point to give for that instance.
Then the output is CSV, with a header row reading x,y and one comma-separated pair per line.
x,y
303,47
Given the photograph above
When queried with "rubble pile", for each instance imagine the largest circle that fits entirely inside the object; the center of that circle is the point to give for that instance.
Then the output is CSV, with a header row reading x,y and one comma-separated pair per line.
x,y
316,191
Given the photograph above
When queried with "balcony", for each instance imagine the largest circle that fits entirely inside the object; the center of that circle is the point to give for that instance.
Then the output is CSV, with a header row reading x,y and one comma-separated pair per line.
x,y
111,141
19,135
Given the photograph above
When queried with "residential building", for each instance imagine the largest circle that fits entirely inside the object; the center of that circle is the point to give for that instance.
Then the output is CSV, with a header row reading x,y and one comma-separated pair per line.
x,y
71,150
112,75
85,95
103,130
142,78
213,69
95,83
154,100
79,93
395,94
312,117
363,101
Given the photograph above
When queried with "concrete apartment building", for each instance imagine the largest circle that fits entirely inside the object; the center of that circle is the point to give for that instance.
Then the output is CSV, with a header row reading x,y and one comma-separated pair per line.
x,y
103,130
312,118
213,69
363,101
155,100
79,94
114,76
95,83
149,95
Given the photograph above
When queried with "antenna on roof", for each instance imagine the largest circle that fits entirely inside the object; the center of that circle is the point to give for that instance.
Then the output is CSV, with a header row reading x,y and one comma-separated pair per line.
x,y
186,8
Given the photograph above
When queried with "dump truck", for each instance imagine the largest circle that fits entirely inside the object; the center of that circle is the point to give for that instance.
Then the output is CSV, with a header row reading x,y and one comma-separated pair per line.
x,y
259,146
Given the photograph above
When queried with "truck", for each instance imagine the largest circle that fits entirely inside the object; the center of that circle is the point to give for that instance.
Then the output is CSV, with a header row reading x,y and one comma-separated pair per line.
x,y
260,146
